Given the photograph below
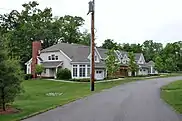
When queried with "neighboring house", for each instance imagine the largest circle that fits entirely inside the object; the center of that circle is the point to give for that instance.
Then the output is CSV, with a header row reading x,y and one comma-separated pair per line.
x,y
77,59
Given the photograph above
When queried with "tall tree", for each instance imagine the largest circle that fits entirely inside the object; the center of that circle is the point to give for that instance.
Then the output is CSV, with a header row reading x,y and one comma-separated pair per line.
x,y
112,65
32,24
109,44
10,78
159,64
133,67
151,49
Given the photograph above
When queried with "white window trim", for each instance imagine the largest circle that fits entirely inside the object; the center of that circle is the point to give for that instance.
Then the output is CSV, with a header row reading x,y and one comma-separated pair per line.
x,y
78,71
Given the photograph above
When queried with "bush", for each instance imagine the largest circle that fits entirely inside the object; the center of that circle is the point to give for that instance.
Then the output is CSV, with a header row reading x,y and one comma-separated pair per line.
x,y
63,74
154,74
28,76
81,80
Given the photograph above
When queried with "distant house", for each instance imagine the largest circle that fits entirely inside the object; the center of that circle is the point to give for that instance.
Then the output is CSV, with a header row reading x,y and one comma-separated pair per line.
x,y
77,57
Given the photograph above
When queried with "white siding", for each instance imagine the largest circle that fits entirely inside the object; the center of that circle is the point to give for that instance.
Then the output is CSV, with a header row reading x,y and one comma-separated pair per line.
x,y
61,57
28,68
143,72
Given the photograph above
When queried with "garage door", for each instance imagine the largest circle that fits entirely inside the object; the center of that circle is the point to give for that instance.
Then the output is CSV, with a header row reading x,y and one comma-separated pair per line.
x,y
99,74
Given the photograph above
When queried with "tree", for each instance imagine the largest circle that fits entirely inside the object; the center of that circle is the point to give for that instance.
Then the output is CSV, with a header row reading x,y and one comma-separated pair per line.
x,y
32,24
109,44
159,65
39,69
170,65
10,78
85,38
70,25
133,67
112,64
151,49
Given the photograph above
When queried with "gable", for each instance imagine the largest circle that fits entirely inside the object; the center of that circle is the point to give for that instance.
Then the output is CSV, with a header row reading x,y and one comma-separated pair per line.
x,y
141,59
97,56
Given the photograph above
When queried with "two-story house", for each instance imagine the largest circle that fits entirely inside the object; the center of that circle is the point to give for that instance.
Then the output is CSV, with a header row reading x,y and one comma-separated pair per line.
x,y
76,58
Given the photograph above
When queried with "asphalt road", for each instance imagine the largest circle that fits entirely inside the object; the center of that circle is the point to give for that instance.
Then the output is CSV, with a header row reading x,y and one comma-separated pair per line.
x,y
136,101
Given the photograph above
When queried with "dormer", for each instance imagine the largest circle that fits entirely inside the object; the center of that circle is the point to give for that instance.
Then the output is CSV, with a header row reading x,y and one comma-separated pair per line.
x,y
119,55
125,59
97,57
141,59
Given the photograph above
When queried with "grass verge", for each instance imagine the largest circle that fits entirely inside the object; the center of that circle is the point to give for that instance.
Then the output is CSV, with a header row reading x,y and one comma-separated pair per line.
x,y
172,94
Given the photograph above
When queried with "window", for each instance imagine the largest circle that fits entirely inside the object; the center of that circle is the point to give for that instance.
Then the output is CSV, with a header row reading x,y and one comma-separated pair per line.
x,y
88,70
82,70
95,57
49,58
53,57
56,57
98,72
75,71
144,70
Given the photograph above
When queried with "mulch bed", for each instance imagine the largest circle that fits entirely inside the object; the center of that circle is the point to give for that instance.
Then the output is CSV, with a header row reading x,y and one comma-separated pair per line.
x,y
9,110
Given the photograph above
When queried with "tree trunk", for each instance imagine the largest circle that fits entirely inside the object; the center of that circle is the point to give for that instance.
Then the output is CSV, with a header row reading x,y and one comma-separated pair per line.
x,y
3,100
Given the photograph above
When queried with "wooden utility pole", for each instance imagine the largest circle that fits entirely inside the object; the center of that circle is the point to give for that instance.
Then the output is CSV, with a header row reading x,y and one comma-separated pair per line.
x,y
93,47
92,43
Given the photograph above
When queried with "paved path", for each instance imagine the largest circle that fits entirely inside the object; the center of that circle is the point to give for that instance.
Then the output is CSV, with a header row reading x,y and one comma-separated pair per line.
x,y
136,101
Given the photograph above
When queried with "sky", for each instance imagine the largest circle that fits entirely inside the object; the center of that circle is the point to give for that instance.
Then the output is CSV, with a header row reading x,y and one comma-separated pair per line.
x,y
124,21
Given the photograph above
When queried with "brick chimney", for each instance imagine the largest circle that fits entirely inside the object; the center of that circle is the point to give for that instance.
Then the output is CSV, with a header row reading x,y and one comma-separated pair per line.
x,y
36,47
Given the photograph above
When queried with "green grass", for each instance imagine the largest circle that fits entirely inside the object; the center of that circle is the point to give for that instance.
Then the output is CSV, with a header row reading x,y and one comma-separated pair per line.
x,y
34,99
172,94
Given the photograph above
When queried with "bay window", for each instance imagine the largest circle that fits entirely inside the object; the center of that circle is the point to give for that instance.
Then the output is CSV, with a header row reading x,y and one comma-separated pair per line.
x,y
88,70
82,71
75,73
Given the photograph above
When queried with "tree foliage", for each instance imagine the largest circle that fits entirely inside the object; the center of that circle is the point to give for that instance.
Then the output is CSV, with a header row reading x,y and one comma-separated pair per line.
x,y
10,78
39,69
109,44
32,24
112,64
132,66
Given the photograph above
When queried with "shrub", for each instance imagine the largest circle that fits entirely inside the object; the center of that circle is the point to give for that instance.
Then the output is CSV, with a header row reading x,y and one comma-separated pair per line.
x,y
63,74
39,69
27,76
154,74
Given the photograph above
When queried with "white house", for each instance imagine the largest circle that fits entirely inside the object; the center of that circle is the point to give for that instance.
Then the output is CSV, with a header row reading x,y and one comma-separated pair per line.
x,y
76,58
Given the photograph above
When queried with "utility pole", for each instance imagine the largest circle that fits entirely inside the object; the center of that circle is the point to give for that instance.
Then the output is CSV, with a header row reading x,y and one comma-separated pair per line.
x,y
92,11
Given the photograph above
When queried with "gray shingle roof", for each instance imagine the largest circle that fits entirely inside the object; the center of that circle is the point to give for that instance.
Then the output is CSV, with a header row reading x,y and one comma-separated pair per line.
x,y
137,56
77,53
80,53
102,52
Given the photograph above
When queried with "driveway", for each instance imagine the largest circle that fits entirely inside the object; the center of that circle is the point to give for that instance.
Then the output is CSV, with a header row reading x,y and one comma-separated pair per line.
x,y
136,101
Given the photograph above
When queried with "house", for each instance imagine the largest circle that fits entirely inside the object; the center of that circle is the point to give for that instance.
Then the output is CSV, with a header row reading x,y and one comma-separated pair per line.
x,y
77,57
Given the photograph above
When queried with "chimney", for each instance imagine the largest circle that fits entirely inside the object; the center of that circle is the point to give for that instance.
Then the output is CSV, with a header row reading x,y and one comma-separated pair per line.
x,y
36,47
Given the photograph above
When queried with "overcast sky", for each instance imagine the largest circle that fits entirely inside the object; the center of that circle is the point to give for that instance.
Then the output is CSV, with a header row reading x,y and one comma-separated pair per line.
x,y
125,21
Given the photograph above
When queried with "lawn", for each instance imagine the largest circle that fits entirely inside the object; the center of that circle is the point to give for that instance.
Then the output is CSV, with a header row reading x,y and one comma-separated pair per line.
x,y
172,94
34,98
